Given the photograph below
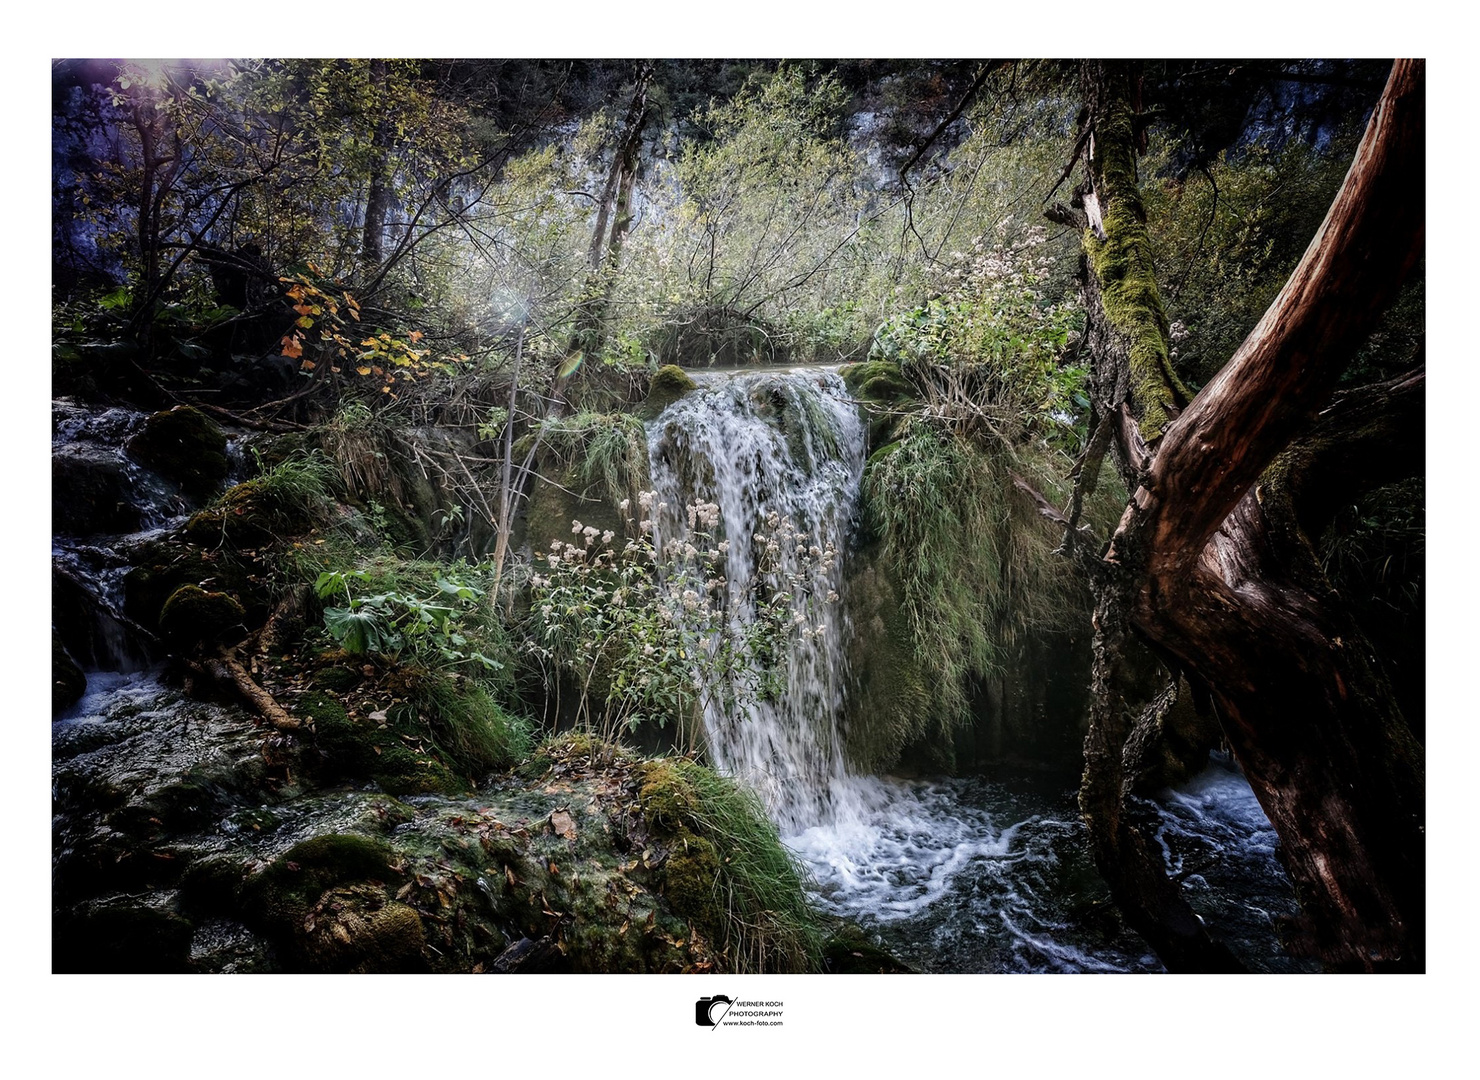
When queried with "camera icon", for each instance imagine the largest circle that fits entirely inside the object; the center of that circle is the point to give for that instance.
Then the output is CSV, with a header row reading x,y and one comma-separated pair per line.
x,y
708,1011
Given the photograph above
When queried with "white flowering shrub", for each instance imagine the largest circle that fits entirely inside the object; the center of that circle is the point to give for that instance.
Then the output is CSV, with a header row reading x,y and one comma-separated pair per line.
x,y
649,632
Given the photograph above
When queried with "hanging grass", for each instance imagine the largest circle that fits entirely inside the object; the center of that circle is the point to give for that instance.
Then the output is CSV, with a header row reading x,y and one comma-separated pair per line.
x,y
975,571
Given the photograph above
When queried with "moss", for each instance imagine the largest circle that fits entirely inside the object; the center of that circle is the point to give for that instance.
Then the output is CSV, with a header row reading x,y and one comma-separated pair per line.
x,y
163,567
880,381
402,772
668,800
1122,263
68,683
357,929
726,870
850,951
282,894
242,517
691,879
192,616
183,445
669,383
337,679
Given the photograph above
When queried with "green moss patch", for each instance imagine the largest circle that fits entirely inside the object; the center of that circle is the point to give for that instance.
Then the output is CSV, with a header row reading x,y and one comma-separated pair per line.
x,y
183,445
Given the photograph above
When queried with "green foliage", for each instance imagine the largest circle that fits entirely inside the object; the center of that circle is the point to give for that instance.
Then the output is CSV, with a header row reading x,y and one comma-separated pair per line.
x,y
975,571
434,627
605,450
1227,238
646,636
728,870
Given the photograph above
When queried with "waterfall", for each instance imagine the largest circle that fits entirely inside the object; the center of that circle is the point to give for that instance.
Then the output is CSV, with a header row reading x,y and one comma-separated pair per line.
x,y
780,454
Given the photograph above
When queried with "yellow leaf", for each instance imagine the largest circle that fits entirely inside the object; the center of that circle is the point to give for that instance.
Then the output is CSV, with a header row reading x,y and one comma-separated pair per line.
x,y
363,370
305,321
354,314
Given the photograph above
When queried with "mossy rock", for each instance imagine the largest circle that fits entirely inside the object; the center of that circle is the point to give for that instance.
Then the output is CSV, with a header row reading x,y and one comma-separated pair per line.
x,y
669,801
183,445
880,381
283,892
402,772
68,683
882,389
337,679
358,929
246,516
691,879
557,499
669,383
194,617
850,951
162,567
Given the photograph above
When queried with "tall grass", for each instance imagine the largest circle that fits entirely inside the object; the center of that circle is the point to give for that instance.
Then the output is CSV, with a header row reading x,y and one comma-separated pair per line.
x,y
607,450
764,920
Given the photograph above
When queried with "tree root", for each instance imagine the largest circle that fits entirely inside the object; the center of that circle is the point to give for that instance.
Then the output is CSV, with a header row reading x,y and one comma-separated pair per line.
x,y
225,667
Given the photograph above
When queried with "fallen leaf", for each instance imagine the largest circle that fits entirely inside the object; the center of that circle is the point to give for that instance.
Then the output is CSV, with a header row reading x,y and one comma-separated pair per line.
x,y
563,824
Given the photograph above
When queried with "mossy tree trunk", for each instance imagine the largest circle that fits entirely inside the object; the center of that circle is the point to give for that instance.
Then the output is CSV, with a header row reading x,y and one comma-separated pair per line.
x,y
1212,562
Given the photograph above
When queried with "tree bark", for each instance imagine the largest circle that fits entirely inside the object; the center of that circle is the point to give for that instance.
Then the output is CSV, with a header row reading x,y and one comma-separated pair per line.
x,y
1211,564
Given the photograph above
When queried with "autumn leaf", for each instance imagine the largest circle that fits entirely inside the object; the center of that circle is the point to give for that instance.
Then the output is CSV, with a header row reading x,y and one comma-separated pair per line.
x,y
292,348
363,370
307,365
415,336
563,824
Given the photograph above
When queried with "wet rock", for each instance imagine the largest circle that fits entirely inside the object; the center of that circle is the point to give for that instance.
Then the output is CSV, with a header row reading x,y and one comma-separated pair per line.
x,y
91,492
182,445
67,680
122,934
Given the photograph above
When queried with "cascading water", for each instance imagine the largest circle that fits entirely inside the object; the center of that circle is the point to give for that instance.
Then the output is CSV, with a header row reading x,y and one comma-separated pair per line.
x,y
781,456
956,875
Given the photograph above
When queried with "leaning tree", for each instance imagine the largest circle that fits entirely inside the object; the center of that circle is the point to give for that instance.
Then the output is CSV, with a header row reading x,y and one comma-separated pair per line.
x,y
1213,563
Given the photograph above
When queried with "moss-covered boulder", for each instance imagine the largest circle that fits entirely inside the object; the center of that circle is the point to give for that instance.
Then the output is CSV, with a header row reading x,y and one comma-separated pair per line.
x,y
882,391
725,869
246,516
850,951
193,617
184,445
670,382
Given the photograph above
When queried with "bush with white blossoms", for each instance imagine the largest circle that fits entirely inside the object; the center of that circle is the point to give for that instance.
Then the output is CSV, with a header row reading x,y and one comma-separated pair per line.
x,y
655,630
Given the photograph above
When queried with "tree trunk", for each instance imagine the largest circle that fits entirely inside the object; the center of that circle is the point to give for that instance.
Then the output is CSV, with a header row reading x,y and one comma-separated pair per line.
x,y
1210,562
378,202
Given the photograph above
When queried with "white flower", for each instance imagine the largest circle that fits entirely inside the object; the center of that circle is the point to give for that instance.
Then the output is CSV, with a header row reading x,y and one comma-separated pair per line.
x,y
606,537
575,526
